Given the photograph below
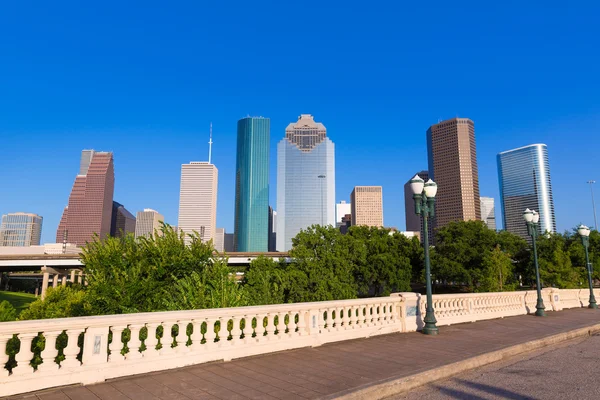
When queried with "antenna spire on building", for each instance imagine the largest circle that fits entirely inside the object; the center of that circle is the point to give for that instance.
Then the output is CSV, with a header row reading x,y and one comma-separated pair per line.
x,y
210,143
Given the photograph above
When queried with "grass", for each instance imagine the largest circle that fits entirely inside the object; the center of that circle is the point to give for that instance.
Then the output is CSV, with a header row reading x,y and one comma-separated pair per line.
x,y
19,301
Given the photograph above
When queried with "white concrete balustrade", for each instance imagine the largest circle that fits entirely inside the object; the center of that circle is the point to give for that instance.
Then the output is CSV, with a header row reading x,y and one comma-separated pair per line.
x,y
198,336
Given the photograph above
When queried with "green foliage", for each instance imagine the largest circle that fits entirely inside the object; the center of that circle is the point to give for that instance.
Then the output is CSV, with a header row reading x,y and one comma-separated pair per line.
x,y
265,282
556,268
7,312
324,265
60,302
128,275
383,260
20,301
469,253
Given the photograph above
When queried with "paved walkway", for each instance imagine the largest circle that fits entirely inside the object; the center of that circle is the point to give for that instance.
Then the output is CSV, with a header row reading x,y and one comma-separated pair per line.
x,y
561,372
325,371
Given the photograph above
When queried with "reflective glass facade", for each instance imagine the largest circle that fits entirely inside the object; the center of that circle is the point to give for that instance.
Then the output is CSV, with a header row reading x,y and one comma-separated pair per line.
x,y
252,185
305,180
20,229
524,176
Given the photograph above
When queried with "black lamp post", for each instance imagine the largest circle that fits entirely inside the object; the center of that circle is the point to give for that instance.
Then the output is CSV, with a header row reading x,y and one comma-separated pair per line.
x,y
584,232
424,196
531,219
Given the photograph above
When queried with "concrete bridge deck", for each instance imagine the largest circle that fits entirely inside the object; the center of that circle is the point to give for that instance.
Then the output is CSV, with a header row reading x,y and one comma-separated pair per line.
x,y
331,370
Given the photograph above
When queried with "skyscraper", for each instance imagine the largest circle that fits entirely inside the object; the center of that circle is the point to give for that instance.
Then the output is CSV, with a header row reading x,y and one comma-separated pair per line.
x,y
122,221
219,241
488,212
524,177
20,229
252,185
367,206
90,205
341,209
147,222
453,166
305,179
198,200
272,229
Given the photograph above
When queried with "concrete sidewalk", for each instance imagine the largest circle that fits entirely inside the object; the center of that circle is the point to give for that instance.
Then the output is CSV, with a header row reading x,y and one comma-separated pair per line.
x,y
364,368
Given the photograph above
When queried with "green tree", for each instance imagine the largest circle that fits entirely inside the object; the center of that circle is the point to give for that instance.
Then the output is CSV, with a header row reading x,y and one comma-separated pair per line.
x,y
324,265
386,264
555,264
265,282
497,272
60,302
7,312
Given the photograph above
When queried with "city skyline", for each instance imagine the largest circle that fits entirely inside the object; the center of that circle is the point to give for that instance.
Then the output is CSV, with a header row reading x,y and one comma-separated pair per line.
x,y
80,86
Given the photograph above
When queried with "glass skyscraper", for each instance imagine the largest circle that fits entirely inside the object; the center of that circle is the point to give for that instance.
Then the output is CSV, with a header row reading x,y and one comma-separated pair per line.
x,y
305,180
252,185
524,176
20,229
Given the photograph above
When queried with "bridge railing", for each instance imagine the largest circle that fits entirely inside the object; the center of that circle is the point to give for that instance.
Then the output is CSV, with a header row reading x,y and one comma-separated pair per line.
x,y
66,351
92,349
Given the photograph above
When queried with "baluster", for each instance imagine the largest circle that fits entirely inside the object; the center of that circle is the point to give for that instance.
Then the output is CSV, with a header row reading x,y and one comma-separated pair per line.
x,y
236,331
72,349
167,339
280,325
116,345
151,341
301,323
196,336
344,318
329,319
3,355
182,337
290,324
24,356
354,317
210,334
267,328
50,352
220,328
134,343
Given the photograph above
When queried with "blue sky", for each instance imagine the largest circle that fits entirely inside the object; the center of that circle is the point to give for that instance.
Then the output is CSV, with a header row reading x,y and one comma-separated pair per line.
x,y
145,79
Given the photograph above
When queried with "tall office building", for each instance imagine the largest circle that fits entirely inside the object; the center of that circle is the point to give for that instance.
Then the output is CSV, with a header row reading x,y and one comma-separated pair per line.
x,y
90,205
272,229
488,212
524,176
453,166
198,200
147,222
122,221
414,222
219,241
341,209
305,179
367,206
20,229
252,185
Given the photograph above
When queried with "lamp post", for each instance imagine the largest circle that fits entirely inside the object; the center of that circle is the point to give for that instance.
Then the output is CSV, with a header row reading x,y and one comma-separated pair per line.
x,y
531,219
584,232
424,196
321,177
593,203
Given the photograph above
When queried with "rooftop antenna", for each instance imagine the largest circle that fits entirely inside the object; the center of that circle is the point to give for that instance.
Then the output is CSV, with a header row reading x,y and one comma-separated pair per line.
x,y
210,142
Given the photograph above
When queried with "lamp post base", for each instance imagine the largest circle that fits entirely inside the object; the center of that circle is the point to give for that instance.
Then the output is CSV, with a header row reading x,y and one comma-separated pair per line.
x,y
539,312
430,327
428,330
593,303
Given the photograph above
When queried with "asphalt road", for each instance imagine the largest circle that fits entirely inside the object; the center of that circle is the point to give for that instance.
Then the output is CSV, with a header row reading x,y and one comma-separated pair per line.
x,y
566,371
